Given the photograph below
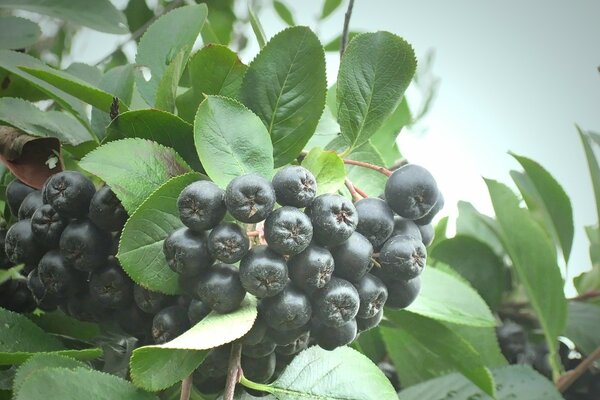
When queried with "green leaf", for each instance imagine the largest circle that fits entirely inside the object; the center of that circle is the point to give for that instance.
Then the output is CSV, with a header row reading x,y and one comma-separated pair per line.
x,y
430,354
477,263
79,383
472,223
17,32
583,325
532,255
138,14
85,72
218,28
594,170
384,140
374,73
552,201
284,12
330,375
160,366
483,340
231,140
329,6
141,245
285,85
257,28
335,43
159,126
11,273
593,234
327,130
58,323
133,178
371,344
167,87
43,361
170,38
513,383
25,116
446,298
328,169
99,15
212,70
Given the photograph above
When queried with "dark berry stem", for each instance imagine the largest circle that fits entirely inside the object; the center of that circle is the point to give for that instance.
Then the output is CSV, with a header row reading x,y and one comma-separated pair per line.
x,y
344,40
570,377
355,196
186,388
233,371
374,167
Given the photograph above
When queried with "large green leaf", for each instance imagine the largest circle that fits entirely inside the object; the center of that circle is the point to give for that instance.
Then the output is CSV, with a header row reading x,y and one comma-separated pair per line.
x,y
328,169
58,323
25,116
384,140
341,374
551,200
512,383
231,140
41,361
285,85
141,245
471,222
100,15
171,35
583,325
420,355
594,171
477,263
532,255
160,126
79,383
374,73
160,366
212,70
446,298
134,177
17,32
483,340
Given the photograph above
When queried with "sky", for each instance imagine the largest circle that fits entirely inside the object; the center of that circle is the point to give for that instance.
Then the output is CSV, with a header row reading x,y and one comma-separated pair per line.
x,y
514,76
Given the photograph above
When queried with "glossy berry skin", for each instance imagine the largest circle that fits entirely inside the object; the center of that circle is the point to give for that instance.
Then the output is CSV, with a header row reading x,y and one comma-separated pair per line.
x,y
106,210
375,220
299,344
220,289
262,349
263,272
282,338
333,217
16,191
197,311
403,257
111,287
337,303
216,362
4,261
352,257
364,324
201,206
83,308
228,242
294,186
329,338
148,301
411,191
134,321
256,334
20,244
69,193
401,294
59,279
169,323
47,226
311,269
259,369
187,252
428,218
373,295
30,204
16,296
84,245
406,227
290,309
427,234
250,198
288,231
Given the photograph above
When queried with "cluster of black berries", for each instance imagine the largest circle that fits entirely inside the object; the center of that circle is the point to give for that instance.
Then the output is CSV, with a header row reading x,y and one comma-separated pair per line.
x,y
311,270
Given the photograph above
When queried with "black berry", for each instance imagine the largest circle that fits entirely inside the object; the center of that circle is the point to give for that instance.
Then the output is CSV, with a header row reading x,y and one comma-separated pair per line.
x,y
373,295
148,301
20,244
401,294
111,287
228,242
403,257
411,191
30,204
250,198
262,349
69,193
106,210
59,279
375,220
427,234
330,338
197,311
288,310
364,324
44,300
428,218
406,227
259,369
333,218
311,269
47,226
201,205
294,186
84,245
337,303
352,257
256,334
187,252
299,344
169,323
16,191
220,289
288,230
263,272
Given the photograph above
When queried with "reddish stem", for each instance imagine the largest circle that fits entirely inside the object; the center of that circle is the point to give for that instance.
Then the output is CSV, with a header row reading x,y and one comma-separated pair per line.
x,y
252,233
374,167
355,196
570,377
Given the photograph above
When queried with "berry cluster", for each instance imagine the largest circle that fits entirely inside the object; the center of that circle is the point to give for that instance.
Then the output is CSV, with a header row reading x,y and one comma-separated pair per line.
x,y
310,263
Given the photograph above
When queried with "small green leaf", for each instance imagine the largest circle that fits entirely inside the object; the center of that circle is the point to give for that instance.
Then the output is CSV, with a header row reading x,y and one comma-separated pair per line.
x,y
138,14
17,32
532,255
99,15
156,369
133,178
167,87
159,126
141,245
231,140
285,85
384,140
169,36
446,298
329,6
218,29
594,169
284,12
583,325
335,43
257,28
43,361
430,354
328,169
77,384
374,73
472,223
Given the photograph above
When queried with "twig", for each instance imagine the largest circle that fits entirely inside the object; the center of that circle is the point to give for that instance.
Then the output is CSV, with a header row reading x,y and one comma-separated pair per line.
x,y
571,376
252,233
186,388
233,371
361,192
586,296
345,32
374,167
400,163
355,196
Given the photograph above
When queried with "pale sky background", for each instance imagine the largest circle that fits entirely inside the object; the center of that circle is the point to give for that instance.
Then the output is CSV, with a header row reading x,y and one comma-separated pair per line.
x,y
515,75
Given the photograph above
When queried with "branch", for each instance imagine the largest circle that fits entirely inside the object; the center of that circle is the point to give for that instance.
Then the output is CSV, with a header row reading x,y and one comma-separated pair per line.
x,y
186,388
346,26
233,371
586,296
374,167
571,376
352,189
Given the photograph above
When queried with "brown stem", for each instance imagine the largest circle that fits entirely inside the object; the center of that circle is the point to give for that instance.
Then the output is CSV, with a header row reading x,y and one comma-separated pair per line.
x,y
586,296
374,167
186,388
355,196
571,376
345,32
252,233
361,192
233,371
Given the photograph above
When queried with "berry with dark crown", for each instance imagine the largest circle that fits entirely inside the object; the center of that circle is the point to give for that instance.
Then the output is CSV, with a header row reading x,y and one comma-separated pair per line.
x,y
30,204
228,242
294,186
250,198
311,269
69,193
411,191
219,287
47,226
337,303
84,245
187,252
288,231
201,205
403,257
263,272
106,210
333,217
